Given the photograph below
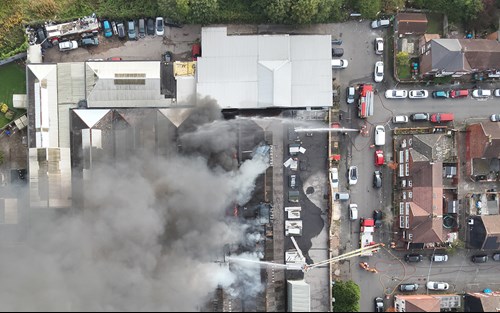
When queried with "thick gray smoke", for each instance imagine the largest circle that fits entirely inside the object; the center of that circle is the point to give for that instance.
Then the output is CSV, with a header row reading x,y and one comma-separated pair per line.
x,y
147,239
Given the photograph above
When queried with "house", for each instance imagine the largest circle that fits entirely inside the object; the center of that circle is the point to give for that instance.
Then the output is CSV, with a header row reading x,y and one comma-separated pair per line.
x,y
483,150
422,201
485,232
426,303
482,302
410,24
457,57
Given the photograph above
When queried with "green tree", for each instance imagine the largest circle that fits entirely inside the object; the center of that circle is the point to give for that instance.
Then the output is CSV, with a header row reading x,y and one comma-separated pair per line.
x,y
276,11
369,8
403,58
393,6
347,295
304,11
203,11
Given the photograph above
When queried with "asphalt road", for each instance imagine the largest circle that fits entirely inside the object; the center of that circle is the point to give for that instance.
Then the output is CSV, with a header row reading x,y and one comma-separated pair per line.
x,y
459,272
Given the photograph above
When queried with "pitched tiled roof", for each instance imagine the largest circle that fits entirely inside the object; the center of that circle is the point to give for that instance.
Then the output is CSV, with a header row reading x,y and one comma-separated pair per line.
x,y
411,23
484,140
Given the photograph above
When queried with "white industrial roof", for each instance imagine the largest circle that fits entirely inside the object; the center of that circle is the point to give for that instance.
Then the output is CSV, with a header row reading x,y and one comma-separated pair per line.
x,y
124,85
261,71
299,296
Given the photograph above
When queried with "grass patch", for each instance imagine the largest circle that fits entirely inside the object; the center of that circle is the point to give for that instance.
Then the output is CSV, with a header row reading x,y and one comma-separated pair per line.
x,y
12,81
434,23
404,72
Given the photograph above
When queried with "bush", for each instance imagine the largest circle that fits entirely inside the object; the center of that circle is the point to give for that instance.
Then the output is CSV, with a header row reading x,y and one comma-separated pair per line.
x,y
347,295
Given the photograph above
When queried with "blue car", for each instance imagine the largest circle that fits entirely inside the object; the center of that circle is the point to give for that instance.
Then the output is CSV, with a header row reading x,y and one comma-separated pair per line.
x,y
107,29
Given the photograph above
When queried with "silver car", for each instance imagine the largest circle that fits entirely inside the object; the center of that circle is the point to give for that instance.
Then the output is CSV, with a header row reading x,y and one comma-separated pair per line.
x,y
418,94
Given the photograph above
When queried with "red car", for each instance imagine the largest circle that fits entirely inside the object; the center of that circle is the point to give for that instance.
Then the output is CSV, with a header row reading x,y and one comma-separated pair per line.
x,y
459,93
196,51
379,158
442,117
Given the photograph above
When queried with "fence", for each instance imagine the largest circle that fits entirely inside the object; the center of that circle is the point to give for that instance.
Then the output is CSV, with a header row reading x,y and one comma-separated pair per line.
x,y
16,57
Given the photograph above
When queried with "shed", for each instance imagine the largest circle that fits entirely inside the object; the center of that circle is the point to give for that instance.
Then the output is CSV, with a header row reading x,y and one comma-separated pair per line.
x,y
411,23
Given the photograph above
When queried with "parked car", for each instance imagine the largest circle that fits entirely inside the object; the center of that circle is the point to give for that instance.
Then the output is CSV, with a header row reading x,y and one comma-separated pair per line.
x,y
418,94
334,177
68,45
89,41
379,135
336,41
121,30
408,287
439,258
150,27
108,31
142,28
396,93
434,285
440,94
481,93
496,256
480,258
379,158
196,51
399,119
377,217
341,196
496,92
442,117
416,117
381,23
459,93
293,181
379,304
167,56
353,211
379,45
42,38
377,179
160,27
132,35
495,118
378,73
339,63
115,28
413,257
350,94
337,52
353,175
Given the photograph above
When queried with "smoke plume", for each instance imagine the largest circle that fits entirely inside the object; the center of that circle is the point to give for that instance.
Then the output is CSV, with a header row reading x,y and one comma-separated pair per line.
x,y
148,236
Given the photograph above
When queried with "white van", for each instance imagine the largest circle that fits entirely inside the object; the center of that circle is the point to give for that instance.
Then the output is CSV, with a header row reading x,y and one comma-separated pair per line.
x,y
379,135
398,119
339,63
341,196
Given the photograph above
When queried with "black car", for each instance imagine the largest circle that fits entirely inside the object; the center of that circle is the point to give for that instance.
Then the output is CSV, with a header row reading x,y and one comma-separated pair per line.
x,y
377,217
167,56
89,41
480,258
150,28
377,179
336,41
379,304
337,52
413,257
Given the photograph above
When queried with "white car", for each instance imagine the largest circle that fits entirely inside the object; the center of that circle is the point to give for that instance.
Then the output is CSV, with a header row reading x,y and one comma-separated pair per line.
x,y
339,63
495,117
497,93
378,74
396,94
159,26
68,45
381,23
398,119
353,211
418,94
379,135
379,45
353,175
334,177
481,93
434,285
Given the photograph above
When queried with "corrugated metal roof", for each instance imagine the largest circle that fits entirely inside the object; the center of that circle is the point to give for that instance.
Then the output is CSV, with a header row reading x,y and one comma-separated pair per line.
x,y
258,71
299,296
70,82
